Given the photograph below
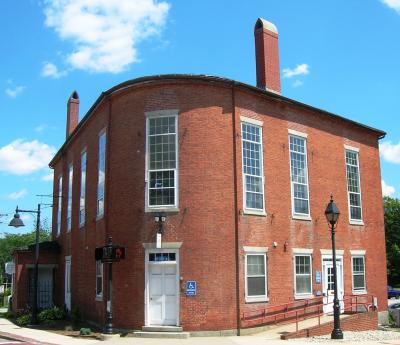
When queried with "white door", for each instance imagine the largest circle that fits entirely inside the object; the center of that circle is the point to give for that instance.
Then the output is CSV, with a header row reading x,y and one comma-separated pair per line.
x,y
163,296
67,283
327,284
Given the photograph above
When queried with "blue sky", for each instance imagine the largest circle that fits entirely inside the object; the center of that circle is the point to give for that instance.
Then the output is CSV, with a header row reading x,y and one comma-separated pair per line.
x,y
341,55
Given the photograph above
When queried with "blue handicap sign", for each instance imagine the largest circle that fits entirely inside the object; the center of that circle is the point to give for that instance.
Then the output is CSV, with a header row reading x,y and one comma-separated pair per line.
x,y
318,277
191,288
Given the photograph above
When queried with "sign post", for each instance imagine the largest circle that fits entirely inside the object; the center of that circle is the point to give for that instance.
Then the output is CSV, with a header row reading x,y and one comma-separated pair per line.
x,y
108,254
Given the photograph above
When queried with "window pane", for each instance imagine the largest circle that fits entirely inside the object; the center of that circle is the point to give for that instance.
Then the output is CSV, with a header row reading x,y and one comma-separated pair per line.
x,y
298,172
256,286
301,206
358,282
303,284
101,173
255,265
162,160
252,166
353,184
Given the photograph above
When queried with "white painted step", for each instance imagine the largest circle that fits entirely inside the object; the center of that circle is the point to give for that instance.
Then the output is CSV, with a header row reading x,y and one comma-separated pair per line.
x,y
165,335
162,329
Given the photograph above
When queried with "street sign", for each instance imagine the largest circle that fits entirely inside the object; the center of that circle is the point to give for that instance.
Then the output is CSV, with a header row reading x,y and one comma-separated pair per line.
x,y
318,277
191,288
109,253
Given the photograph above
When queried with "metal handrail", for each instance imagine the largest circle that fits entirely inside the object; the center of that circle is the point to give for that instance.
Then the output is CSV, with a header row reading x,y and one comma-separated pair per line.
x,y
305,311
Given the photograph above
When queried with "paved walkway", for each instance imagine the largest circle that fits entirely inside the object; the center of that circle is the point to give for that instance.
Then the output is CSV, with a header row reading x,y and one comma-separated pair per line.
x,y
270,337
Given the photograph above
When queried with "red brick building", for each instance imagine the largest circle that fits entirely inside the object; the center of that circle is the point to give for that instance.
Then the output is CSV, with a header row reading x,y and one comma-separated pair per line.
x,y
242,175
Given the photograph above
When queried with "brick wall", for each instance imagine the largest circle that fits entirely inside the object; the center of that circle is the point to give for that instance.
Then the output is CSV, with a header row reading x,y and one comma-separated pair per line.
x,y
358,322
205,223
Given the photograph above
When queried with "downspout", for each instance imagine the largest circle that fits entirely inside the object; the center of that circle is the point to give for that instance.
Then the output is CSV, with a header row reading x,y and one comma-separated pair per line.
x,y
235,210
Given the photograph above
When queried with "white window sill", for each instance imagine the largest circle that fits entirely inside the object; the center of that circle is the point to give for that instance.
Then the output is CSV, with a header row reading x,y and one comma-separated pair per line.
x,y
256,299
301,217
162,209
261,213
99,298
306,296
356,222
359,292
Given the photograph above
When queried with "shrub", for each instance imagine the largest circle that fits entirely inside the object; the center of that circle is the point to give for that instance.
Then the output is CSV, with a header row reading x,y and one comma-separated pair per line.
x,y
24,320
54,313
9,315
85,331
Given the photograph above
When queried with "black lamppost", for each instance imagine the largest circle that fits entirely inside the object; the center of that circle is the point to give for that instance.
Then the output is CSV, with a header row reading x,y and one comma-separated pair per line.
x,y
332,215
109,318
17,222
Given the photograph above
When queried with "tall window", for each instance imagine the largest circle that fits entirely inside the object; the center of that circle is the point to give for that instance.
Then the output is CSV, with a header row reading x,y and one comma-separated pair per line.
x,y
353,185
59,205
102,174
82,199
252,167
69,210
358,265
303,275
256,278
299,175
162,161
99,279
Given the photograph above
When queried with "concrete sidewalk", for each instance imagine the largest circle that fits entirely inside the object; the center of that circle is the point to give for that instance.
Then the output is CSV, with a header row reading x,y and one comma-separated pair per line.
x,y
270,337
10,330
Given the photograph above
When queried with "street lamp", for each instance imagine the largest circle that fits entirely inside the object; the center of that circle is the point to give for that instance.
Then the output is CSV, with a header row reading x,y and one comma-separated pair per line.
x,y
332,216
17,222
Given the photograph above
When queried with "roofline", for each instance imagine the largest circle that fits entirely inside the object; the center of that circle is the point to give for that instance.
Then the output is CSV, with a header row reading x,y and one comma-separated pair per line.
x,y
207,78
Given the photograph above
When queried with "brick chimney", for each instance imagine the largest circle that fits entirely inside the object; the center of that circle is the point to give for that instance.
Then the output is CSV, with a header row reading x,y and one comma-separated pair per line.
x,y
72,113
267,56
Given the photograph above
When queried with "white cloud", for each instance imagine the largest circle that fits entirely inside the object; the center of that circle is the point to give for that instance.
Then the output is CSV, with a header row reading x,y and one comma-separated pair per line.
x,y
105,33
302,69
17,195
297,83
393,4
24,157
387,190
390,152
48,178
51,70
40,128
14,92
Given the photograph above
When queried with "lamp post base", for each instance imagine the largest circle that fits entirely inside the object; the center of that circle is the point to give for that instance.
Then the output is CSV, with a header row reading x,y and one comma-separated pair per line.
x,y
337,334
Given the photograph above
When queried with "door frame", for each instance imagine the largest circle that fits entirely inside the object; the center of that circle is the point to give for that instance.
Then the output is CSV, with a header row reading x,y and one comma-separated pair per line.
x,y
67,259
339,258
147,281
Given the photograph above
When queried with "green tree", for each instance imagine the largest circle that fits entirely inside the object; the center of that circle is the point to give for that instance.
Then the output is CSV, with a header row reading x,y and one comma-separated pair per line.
x,y
392,233
11,241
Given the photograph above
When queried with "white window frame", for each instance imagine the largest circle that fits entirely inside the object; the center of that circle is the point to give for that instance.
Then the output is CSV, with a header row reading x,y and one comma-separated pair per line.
x,y
69,202
101,156
308,253
357,152
99,274
82,194
166,208
297,215
363,290
59,206
259,124
256,251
